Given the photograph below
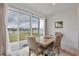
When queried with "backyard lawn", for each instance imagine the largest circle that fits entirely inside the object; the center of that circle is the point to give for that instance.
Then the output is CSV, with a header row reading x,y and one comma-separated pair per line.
x,y
13,36
22,35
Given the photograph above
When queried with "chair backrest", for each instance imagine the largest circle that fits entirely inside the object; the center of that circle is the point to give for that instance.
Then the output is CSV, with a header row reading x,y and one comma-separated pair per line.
x,y
57,42
57,33
32,43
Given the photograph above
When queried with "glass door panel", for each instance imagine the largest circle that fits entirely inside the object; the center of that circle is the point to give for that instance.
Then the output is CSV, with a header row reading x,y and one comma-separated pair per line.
x,y
35,26
12,30
24,29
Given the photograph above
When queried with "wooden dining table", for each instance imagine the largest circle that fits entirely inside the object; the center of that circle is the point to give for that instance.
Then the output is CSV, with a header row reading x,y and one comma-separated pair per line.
x,y
46,42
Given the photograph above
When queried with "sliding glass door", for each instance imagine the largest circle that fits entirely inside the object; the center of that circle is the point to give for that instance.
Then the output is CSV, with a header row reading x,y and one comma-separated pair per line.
x,y
20,26
13,30
18,29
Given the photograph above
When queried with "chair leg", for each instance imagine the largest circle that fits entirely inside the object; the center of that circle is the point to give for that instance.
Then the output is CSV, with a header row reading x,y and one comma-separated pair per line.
x,y
58,50
29,52
54,51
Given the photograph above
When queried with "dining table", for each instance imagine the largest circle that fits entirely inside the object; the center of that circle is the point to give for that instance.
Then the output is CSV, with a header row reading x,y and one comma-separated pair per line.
x,y
46,42
46,45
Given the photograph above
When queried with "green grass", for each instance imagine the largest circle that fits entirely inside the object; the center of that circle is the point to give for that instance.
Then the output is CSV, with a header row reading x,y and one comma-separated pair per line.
x,y
13,37
22,36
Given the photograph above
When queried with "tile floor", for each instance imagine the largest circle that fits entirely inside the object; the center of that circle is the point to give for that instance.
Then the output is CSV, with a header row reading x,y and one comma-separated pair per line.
x,y
25,52
61,53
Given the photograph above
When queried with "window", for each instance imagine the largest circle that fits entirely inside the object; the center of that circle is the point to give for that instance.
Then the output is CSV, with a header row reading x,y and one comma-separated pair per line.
x,y
20,26
12,26
35,26
42,26
24,29
24,26
13,30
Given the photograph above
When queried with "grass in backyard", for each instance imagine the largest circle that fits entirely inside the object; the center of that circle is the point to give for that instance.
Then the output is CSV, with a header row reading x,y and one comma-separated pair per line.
x,y
13,37
22,36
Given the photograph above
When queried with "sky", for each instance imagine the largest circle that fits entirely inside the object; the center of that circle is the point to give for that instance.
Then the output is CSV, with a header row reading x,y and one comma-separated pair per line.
x,y
15,18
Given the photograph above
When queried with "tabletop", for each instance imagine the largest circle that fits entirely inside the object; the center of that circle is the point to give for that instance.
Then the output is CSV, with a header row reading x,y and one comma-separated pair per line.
x,y
46,42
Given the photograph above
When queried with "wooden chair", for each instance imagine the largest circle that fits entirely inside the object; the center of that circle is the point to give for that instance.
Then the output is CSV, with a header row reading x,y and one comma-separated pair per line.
x,y
58,34
57,44
33,46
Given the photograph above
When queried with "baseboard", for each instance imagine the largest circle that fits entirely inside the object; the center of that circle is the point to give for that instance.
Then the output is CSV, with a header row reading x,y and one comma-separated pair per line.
x,y
71,52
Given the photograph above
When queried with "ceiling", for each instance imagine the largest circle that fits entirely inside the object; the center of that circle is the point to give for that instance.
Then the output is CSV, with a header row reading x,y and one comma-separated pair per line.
x,y
47,9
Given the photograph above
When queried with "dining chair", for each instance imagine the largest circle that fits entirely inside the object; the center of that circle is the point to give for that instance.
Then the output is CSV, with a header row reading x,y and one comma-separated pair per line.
x,y
57,44
33,46
58,34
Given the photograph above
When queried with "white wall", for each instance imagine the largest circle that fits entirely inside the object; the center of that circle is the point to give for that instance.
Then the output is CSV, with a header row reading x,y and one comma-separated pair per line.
x,y
70,27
